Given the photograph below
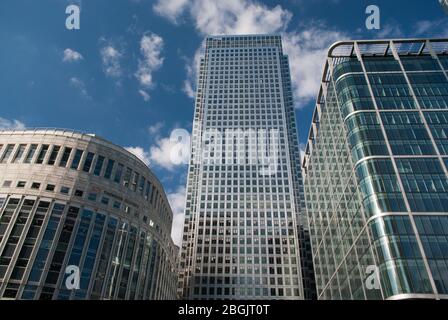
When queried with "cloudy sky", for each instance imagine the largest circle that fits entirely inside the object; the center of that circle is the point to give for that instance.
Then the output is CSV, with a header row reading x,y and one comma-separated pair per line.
x,y
128,74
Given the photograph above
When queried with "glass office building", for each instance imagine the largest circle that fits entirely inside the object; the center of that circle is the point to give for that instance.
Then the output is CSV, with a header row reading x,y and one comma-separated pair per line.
x,y
73,200
375,171
242,216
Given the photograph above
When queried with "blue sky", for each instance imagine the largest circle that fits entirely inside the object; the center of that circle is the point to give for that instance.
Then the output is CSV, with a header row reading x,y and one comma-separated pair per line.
x,y
128,74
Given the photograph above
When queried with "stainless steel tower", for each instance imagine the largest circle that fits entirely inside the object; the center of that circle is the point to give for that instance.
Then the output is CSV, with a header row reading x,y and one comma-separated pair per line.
x,y
244,192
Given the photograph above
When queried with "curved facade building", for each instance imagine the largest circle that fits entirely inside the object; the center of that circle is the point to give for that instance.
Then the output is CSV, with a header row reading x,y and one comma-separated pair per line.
x,y
74,206
376,171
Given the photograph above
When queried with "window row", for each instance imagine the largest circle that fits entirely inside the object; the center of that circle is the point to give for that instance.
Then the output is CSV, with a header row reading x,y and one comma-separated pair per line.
x,y
86,161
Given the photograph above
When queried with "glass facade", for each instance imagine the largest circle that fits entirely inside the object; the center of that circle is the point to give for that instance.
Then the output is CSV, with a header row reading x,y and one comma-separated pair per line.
x,y
242,227
376,171
54,217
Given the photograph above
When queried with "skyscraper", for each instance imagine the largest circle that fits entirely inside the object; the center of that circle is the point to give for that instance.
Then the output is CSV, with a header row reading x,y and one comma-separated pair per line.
x,y
73,205
244,191
375,171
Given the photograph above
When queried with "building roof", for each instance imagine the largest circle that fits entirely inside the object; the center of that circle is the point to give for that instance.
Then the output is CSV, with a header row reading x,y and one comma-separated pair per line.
x,y
340,51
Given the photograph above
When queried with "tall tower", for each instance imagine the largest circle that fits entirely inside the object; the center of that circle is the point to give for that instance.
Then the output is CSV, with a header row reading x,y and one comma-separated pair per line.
x,y
375,170
244,191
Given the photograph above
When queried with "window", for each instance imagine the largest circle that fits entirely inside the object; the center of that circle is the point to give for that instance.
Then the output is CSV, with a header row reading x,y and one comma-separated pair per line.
x,y
19,153
148,189
142,184
88,162
109,168
65,157
53,155
7,183
98,165
92,196
117,204
57,260
7,153
134,181
105,200
65,190
35,185
50,187
2,202
76,159
103,257
42,153
30,154
21,184
79,193
127,177
118,173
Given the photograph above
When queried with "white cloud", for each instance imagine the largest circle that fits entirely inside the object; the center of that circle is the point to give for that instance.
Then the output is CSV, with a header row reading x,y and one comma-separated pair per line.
x,y
307,51
151,46
389,31
189,87
432,28
80,85
145,95
424,26
140,153
6,124
177,202
192,68
110,57
155,128
161,153
306,47
302,147
227,17
170,9
71,55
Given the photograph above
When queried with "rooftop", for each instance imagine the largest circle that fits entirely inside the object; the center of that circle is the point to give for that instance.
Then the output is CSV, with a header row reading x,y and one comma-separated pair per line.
x,y
342,50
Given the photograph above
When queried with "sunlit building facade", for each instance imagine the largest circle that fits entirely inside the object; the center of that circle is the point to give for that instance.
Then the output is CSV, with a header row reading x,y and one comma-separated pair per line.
x,y
73,201
375,171
240,238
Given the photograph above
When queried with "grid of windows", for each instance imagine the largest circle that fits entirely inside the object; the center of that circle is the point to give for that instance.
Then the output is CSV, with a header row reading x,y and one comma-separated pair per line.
x,y
140,184
374,165
241,228
118,236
